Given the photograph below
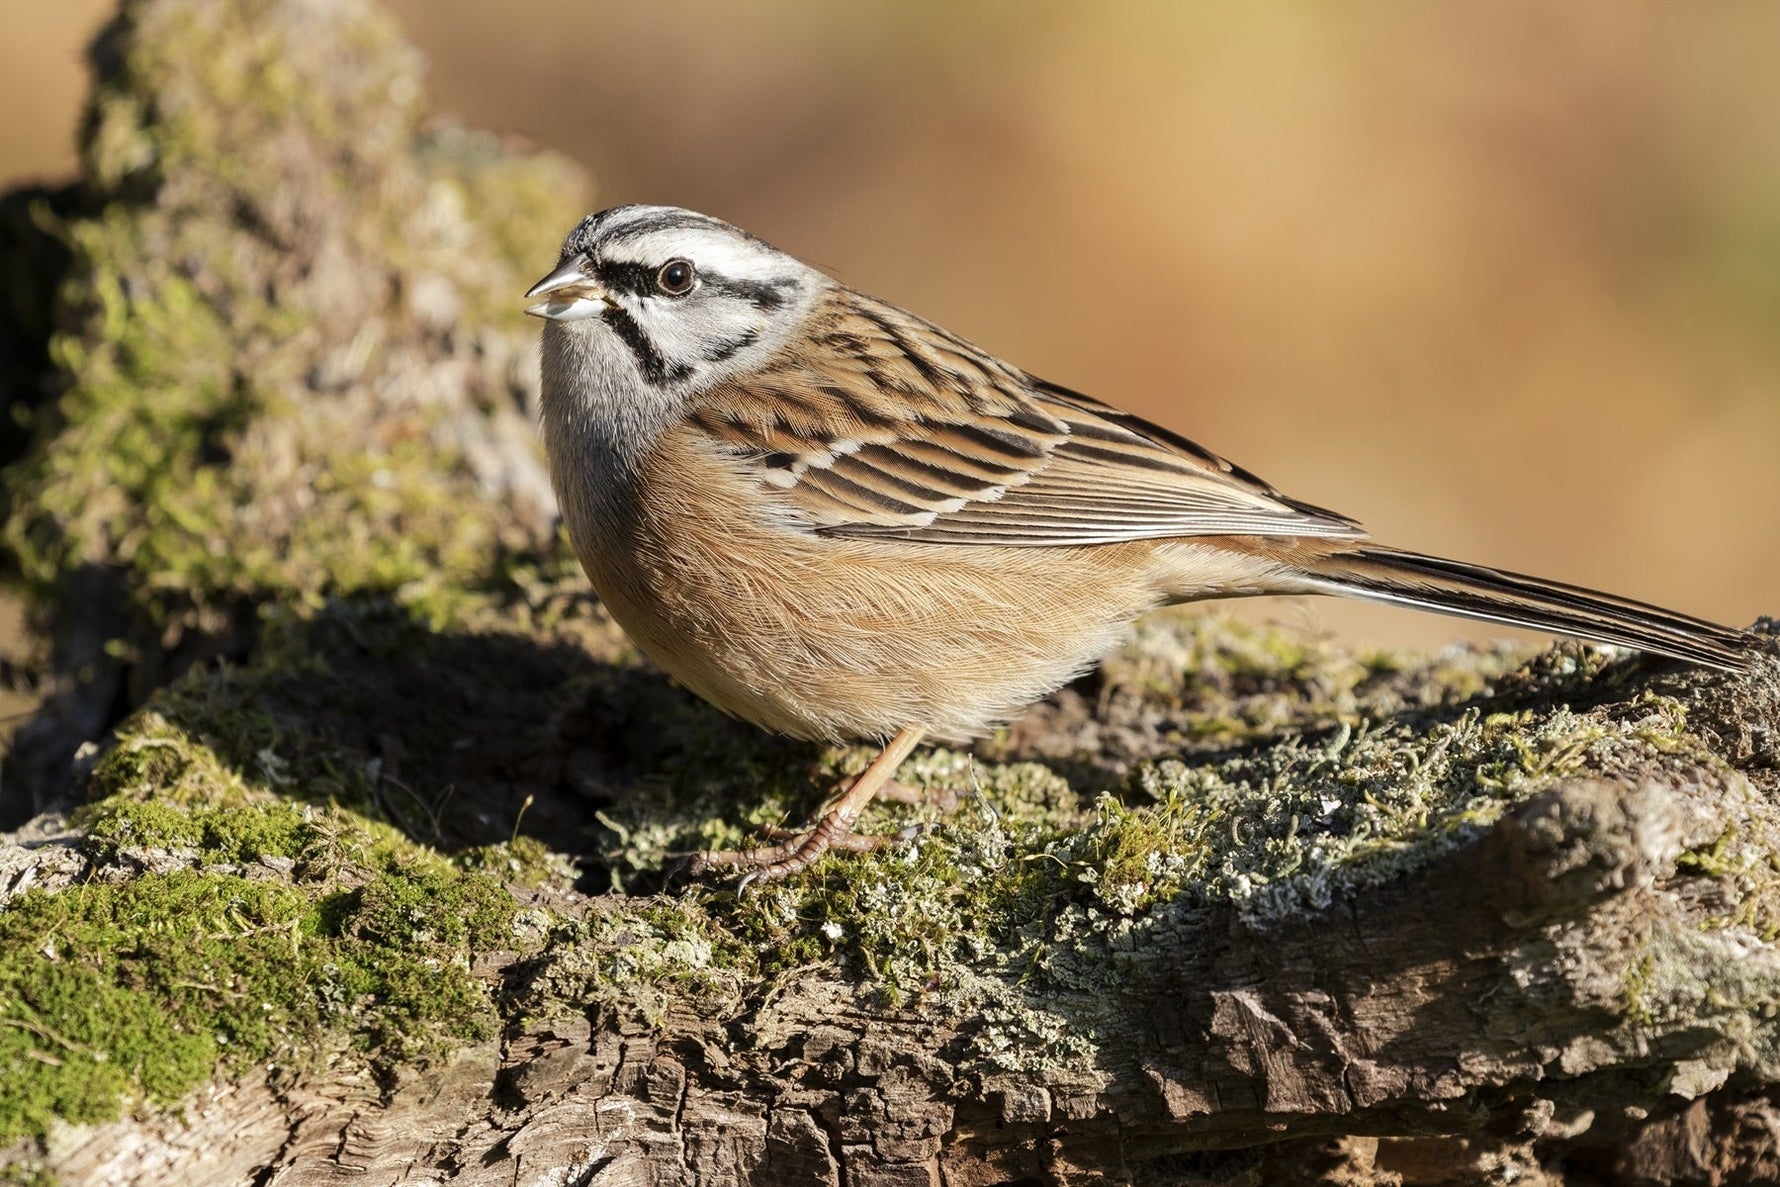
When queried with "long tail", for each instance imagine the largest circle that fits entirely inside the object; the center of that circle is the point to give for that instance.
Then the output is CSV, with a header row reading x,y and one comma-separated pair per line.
x,y
1473,591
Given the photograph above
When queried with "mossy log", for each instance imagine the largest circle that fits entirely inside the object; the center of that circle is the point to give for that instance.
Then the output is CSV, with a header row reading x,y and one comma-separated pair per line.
x,y
352,832
1582,985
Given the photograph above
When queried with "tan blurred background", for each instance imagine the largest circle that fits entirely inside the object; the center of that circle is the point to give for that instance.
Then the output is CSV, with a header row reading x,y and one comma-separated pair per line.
x,y
1503,281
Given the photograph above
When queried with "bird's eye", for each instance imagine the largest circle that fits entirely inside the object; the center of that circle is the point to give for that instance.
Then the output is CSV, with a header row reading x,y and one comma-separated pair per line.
x,y
675,278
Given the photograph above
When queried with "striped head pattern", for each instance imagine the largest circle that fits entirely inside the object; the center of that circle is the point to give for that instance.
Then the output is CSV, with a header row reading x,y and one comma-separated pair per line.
x,y
679,299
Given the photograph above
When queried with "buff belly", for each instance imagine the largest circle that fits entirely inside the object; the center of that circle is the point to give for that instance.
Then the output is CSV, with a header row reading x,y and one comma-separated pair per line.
x,y
871,637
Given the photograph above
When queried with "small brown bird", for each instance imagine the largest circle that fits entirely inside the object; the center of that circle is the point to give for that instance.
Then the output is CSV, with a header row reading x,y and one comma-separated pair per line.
x,y
839,521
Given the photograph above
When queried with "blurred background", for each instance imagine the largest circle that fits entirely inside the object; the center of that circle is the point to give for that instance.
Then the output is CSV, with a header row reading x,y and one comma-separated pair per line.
x,y
1502,281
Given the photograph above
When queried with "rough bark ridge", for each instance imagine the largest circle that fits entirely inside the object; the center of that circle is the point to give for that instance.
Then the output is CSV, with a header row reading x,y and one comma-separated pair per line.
x,y
392,895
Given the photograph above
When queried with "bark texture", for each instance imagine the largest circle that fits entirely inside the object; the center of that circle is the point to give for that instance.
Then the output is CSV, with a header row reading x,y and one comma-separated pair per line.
x,y
1560,999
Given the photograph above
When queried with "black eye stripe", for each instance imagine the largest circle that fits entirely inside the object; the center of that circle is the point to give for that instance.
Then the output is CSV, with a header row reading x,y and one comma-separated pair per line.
x,y
639,280
626,277
762,294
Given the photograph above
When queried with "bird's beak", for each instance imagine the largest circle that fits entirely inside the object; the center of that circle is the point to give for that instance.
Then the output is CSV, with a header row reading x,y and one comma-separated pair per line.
x,y
569,293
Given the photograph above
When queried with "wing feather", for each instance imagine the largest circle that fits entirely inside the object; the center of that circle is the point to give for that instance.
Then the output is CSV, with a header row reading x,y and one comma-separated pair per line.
x,y
897,428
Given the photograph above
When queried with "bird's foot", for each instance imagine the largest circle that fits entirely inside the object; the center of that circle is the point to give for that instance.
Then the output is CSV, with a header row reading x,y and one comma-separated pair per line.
x,y
832,830
798,851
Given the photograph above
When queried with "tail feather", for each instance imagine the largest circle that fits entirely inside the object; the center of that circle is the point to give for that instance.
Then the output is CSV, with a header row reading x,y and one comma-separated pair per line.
x,y
1493,595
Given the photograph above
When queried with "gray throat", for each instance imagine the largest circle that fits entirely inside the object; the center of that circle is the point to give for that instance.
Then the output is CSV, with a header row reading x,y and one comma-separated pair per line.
x,y
599,419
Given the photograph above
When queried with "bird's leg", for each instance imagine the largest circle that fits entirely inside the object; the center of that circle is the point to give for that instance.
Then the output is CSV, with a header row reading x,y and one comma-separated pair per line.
x,y
833,830
941,799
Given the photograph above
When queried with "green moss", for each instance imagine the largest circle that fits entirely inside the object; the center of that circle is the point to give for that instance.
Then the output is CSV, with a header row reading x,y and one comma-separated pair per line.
x,y
1635,989
1746,861
1022,875
1273,829
250,900
226,834
254,407
404,942
423,904
1137,857
152,392
267,931
525,862
27,1173
1227,680
142,989
118,992
154,757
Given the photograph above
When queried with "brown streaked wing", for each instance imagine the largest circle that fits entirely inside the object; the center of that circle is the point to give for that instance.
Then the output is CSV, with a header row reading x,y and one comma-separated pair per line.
x,y
897,428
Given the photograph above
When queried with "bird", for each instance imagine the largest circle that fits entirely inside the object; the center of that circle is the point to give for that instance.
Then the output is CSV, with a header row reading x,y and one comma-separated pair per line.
x,y
834,519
